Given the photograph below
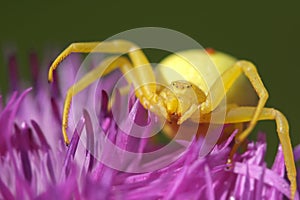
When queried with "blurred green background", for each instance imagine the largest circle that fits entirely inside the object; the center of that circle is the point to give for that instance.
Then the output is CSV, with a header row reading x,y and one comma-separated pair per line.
x,y
266,33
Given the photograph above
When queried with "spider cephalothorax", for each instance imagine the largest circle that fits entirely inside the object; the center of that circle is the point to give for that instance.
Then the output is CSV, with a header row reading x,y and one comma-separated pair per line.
x,y
181,99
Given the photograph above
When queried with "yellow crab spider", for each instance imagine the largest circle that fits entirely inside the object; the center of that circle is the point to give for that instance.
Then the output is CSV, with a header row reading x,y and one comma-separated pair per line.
x,y
179,99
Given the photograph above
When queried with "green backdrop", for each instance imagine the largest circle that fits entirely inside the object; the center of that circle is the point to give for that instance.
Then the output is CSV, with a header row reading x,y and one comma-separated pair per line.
x,y
266,33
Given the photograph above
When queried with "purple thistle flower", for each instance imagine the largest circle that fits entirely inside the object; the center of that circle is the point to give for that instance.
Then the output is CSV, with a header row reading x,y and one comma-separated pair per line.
x,y
35,163
297,158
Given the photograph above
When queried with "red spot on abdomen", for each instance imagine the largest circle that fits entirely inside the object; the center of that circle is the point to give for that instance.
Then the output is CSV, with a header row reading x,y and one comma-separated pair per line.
x,y
210,50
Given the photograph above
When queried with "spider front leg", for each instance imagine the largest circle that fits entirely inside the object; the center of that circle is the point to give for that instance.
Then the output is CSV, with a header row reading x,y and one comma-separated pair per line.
x,y
104,68
228,78
141,77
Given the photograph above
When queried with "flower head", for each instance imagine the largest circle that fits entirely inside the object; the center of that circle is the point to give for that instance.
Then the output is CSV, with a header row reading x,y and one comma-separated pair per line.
x,y
35,163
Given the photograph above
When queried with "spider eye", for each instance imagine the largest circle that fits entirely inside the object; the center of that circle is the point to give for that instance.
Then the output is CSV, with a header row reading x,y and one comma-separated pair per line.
x,y
189,86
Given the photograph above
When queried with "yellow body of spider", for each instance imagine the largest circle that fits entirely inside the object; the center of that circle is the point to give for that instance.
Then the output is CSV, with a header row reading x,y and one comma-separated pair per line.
x,y
183,97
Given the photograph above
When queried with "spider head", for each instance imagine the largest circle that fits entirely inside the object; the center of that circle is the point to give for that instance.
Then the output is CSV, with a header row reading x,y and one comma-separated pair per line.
x,y
180,96
187,92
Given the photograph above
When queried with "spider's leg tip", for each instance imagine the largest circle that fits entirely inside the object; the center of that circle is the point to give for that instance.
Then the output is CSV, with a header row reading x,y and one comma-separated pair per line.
x,y
229,164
